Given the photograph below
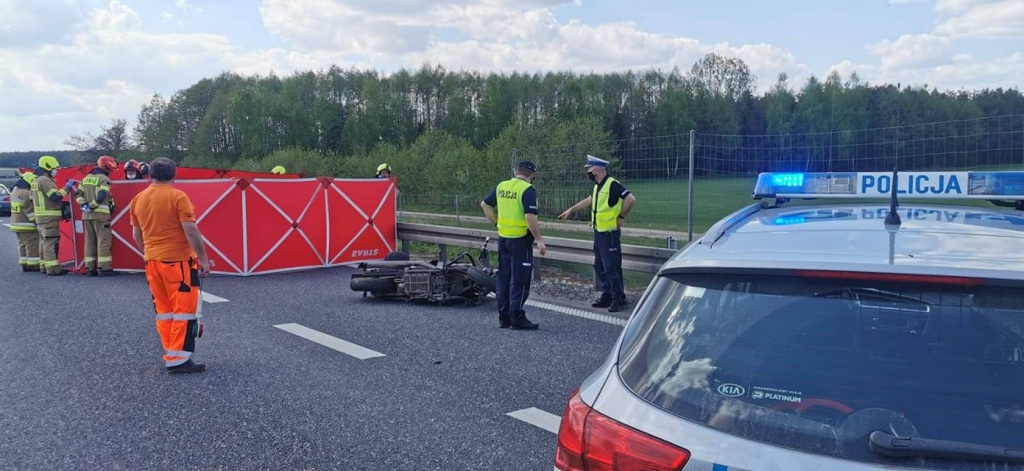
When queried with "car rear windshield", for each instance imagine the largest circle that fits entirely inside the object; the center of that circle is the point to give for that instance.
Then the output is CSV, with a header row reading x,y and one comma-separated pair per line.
x,y
817,364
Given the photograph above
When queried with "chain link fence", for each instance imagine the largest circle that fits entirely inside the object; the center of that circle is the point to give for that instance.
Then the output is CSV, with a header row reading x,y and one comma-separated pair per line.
x,y
658,169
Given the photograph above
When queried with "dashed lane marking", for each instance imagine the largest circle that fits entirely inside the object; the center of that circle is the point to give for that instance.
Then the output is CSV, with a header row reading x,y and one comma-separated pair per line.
x,y
538,418
328,341
577,312
212,298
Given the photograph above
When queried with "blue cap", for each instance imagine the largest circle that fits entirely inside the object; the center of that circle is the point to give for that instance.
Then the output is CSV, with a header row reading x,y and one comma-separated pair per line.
x,y
528,165
595,162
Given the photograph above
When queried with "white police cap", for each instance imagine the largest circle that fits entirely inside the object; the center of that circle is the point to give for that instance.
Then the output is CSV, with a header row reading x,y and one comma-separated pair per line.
x,y
595,162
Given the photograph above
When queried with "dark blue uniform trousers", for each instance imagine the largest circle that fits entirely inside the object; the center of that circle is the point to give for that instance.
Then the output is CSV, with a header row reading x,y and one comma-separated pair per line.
x,y
515,271
608,264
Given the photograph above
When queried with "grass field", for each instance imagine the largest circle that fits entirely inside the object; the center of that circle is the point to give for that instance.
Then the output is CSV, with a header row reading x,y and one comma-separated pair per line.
x,y
664,204
660,204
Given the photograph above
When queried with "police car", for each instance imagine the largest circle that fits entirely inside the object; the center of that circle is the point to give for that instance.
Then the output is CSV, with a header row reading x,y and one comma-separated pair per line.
x,y
868,334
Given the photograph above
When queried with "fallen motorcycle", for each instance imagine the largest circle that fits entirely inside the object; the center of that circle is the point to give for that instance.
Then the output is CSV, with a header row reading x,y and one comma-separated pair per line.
x,y
463,278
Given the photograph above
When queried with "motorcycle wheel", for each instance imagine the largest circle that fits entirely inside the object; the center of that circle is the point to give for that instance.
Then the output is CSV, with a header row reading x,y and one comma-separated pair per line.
x,y
373,285
481,278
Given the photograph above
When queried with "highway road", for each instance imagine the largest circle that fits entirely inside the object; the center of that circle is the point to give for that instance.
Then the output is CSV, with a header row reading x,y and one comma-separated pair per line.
x,y
302,374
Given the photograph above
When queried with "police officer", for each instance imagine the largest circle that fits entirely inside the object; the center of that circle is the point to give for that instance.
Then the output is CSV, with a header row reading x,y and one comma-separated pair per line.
x,y
516,203
609,204
97,203
47,201
23,223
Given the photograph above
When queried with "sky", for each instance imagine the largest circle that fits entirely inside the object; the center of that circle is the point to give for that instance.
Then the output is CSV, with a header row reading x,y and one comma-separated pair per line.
x,y
68,67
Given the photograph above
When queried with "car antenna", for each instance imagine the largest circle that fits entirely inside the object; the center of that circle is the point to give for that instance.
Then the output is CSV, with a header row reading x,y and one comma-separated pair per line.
x,y
893,218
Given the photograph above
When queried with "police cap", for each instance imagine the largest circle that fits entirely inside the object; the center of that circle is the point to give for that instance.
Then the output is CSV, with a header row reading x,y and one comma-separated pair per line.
x,y
528,165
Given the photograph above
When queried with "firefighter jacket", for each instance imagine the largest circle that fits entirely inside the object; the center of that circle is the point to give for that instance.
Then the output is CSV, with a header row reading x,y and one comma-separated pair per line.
x,y
94,191
42,190
23,218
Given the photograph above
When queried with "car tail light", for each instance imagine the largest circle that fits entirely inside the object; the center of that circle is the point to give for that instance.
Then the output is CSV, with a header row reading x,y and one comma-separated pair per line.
x,y
589,441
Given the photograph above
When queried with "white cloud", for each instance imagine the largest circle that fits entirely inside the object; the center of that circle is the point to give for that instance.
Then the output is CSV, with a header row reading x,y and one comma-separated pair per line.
x,y
911,50
183,5
962,71
108,69
498,35
956,7
43,21
72,65
982,20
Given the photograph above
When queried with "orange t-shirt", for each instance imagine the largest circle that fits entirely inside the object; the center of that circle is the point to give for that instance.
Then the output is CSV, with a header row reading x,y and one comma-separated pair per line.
x,y
159,210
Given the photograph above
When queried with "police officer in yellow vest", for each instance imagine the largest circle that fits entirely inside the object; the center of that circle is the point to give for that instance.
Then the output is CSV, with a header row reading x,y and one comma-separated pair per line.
x,y
516,203
97,203
47,200
23,223
609,204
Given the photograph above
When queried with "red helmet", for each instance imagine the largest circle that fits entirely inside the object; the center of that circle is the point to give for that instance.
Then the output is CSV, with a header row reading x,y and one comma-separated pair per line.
x,y
106,163
131,169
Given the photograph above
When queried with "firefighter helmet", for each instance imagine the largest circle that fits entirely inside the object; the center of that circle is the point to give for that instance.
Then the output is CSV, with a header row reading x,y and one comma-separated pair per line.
x,y
29,177
106,163
384,167
131,169
49,163
279,170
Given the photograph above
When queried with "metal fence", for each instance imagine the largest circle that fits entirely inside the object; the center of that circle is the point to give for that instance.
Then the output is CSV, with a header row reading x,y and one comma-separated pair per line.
x,y
659,170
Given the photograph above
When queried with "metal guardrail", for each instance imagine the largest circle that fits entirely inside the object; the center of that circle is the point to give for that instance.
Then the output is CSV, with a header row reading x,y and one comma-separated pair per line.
x,y
634,257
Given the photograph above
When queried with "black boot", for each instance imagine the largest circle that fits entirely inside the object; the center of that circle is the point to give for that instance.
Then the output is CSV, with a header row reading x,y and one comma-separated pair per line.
x,y
520,322
604,301
92,273
187,367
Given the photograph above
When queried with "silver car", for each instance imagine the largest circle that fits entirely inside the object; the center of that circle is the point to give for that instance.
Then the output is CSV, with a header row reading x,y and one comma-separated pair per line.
x,y
824,337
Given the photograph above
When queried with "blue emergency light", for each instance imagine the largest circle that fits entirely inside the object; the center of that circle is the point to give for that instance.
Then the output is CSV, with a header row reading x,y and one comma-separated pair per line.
x,y
946,185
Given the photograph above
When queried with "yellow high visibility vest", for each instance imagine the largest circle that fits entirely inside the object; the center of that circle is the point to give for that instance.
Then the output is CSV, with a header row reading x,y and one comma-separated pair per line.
x,y
604,218
511,215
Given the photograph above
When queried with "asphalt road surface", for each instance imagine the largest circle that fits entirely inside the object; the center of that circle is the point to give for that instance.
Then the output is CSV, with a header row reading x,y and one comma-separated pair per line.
x,y
302,374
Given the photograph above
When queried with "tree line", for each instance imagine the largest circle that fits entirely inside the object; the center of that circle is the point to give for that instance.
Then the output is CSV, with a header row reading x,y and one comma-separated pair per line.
x,y
344,121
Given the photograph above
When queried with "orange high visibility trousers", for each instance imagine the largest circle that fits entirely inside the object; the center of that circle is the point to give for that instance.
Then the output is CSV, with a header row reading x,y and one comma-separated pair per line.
x,y
175,290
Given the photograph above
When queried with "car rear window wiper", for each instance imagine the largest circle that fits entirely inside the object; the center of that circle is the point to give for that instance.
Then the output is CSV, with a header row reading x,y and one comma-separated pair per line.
x,y
906,447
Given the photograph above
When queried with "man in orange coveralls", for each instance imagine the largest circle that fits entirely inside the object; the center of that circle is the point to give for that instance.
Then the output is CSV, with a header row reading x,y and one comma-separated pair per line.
x,y
164,227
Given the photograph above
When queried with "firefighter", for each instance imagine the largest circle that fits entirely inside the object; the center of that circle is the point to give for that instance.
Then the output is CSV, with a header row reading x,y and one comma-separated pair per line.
x,y
516,202
23,223
164,229
384,171
47,201
135,170
97,203
609,203
278,170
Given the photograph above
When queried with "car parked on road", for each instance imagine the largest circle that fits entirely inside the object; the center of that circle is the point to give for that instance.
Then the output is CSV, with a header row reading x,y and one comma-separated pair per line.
x,y
854,335
5,200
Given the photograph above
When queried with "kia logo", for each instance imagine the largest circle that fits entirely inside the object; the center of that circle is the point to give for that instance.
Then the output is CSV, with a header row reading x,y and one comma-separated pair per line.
x,y
731,390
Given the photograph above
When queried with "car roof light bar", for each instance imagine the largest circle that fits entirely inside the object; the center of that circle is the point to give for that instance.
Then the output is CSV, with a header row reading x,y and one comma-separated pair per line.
x,y
998,185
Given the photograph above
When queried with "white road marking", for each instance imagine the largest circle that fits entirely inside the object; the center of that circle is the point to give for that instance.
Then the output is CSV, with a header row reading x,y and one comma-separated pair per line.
x,y
538,418
577,312
212,298
8,225
335,343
